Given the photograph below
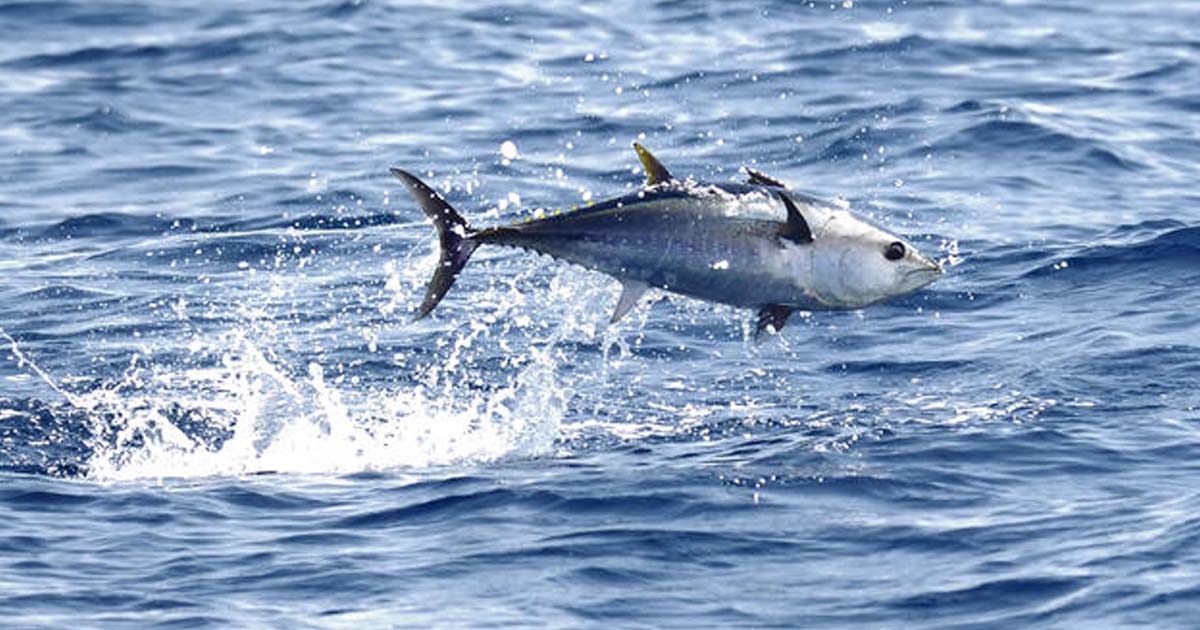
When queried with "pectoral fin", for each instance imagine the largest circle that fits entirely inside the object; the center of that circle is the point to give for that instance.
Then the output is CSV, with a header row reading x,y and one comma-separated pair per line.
x,y
656,173
631,291
772,315
796,228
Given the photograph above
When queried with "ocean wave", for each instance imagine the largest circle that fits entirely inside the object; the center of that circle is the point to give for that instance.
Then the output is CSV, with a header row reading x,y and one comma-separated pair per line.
x,y
906,45
105,119
64,292
1175,249
128,55
104,225
1030,593
1038,140
83,14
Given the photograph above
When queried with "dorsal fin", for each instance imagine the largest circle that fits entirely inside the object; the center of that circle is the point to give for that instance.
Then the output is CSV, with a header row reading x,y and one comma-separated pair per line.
x,y
762,179
656,173
796,228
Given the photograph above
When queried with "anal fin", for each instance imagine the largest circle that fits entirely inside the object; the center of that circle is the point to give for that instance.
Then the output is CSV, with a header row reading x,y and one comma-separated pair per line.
x,y
773,315
631,292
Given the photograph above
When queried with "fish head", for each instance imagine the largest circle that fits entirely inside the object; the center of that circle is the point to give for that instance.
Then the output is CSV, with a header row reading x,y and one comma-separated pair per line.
x,y
856,264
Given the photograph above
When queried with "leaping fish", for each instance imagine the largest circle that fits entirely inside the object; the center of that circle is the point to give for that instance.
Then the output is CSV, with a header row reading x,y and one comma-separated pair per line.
x,y
755,245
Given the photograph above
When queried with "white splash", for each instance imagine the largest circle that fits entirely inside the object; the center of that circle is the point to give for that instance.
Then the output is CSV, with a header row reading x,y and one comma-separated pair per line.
x,y
248,411
273,421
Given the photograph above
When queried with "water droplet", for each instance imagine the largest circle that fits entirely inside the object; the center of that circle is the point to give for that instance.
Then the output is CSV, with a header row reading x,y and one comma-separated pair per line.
x,y
508,150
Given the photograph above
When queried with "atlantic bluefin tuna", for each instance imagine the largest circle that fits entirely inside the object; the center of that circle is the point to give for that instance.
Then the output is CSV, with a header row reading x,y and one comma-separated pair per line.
x,y
755,245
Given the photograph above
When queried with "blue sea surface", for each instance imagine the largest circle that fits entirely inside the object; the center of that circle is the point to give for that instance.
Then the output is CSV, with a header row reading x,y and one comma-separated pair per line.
x,y
216,412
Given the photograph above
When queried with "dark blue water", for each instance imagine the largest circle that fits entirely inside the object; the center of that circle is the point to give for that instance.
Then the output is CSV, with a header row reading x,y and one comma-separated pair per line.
x,y
215,412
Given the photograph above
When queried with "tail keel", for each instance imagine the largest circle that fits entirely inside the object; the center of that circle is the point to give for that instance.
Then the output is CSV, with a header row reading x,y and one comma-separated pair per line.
x,y
453,233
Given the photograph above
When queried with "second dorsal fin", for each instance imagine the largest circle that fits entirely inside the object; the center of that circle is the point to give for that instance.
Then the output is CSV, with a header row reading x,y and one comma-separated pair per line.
x,y
656,173
763,179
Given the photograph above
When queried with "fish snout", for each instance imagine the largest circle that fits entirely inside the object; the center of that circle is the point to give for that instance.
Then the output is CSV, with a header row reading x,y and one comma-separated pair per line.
x,y
925,264
923,272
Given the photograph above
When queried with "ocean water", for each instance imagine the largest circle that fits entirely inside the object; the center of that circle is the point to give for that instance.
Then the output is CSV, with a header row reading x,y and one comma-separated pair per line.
x,y
215,411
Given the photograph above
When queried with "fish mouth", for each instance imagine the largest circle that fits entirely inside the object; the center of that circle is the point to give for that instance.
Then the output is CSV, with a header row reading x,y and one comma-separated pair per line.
x,y
930,265
925,274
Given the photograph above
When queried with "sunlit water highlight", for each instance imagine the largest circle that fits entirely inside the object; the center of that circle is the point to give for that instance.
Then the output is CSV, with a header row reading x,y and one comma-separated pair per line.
x,y
216,412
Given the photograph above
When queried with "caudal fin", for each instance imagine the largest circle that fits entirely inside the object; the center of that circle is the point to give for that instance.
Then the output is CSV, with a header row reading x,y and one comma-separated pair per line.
x,y
453,232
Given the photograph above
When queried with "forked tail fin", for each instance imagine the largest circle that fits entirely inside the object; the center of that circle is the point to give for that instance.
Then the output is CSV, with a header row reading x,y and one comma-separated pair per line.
x,y
453,232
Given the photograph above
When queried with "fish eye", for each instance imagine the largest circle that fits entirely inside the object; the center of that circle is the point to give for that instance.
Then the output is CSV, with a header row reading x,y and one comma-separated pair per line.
x,y
895,251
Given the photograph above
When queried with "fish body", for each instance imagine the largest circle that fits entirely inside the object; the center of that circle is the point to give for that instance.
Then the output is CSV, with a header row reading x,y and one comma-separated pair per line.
x,y
700,241
755,245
